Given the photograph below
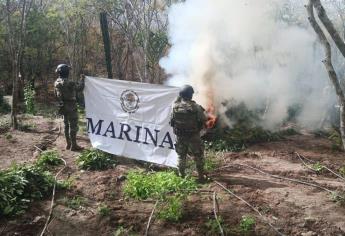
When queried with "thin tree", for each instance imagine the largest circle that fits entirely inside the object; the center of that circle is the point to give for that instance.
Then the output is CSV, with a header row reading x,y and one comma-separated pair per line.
x,y
339,42
16,47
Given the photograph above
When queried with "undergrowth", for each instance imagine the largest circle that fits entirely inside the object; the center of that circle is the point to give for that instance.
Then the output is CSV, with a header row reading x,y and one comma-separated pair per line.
x,y
4,106
170,189
247,224
20,185
212,226
94,159
49,158
29,98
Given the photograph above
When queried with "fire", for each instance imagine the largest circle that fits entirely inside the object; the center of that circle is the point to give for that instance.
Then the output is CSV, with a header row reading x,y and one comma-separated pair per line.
x,y
211,112
211,117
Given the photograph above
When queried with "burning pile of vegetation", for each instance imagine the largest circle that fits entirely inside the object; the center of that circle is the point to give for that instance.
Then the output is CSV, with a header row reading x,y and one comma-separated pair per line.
x,y
245,130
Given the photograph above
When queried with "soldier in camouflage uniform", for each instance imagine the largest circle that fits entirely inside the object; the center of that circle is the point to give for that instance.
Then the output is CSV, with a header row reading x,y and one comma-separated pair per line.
x,y
188,119
66,94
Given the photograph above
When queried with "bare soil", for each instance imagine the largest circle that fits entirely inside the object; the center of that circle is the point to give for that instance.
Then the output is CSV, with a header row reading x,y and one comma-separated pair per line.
x,y
293,208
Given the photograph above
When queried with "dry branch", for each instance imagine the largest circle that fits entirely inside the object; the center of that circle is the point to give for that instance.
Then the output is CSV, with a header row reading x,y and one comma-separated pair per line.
x,y
53,198
251,206
149,222
323,166
215,213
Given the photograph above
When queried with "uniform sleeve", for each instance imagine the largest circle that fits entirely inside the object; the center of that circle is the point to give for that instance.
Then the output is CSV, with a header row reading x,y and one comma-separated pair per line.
x,y
202,116
81,84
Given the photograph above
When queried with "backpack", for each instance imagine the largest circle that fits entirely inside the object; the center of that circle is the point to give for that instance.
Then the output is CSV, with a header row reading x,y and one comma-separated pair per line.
x,y
185,118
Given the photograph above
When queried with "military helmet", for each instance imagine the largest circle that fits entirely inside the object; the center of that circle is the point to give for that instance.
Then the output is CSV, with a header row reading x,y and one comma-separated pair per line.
x,y
63,70
187,92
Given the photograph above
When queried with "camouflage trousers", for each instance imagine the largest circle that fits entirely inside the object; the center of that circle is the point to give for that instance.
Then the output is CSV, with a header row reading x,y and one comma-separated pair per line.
x,y
192,145
70,118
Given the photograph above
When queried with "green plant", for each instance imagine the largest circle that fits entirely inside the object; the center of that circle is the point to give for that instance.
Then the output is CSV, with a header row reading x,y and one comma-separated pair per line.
x,y
49,158
318,167
94,159
247,224
103,210
66,183
29,97
121,231
171,209
342,171
339,197
8,136
335,138
210,160
213,227
157,185
75,203
20,185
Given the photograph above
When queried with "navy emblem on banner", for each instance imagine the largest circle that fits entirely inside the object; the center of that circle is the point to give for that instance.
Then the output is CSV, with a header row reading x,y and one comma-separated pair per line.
x,y
129,101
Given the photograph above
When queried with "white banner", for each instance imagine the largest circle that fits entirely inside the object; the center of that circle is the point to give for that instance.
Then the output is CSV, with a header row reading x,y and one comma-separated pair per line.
x,y
131,119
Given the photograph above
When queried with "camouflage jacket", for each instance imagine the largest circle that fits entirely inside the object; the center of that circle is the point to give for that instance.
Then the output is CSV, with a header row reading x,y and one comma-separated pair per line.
x,y
66,90
187,117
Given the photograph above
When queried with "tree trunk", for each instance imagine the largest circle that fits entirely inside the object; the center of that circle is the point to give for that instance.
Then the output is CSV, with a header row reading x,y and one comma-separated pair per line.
x,y
329,26
328,60
106,41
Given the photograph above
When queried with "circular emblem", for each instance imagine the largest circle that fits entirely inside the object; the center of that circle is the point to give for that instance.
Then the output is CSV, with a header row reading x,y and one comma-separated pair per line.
x,y
129,101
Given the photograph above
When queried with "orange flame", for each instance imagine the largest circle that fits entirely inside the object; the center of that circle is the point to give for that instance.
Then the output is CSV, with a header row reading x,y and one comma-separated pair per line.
x,y
211,112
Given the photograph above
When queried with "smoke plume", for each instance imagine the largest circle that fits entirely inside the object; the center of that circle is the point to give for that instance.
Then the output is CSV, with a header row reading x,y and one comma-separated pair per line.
x,y
241,51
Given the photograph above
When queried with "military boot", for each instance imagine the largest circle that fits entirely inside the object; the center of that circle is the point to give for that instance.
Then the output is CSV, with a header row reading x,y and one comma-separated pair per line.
x,y
68,142
74,146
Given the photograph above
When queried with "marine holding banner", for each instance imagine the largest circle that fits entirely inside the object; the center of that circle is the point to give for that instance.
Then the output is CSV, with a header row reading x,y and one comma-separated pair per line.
x,y
188,119
131,119
66,94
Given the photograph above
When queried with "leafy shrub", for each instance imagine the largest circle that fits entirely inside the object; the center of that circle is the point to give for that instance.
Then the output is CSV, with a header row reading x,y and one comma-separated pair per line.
x,y
49,158
172,209
142,185
20,185
94,159
247,224
4,106
29,97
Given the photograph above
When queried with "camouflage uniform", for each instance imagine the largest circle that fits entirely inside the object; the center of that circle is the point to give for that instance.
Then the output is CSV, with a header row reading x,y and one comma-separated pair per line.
x,y
66,93
188,140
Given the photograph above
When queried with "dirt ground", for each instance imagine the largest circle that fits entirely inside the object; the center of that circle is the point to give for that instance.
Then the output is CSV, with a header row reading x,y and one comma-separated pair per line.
x,y
293,208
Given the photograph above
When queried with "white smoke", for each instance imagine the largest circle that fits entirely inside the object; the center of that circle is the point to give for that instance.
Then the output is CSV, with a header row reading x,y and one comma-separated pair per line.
x,y
244,53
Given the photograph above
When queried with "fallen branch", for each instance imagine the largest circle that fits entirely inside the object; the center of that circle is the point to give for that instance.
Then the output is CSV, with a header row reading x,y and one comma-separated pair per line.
x,y
323,166
215,213
251,206
288,179
53,198
149,222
